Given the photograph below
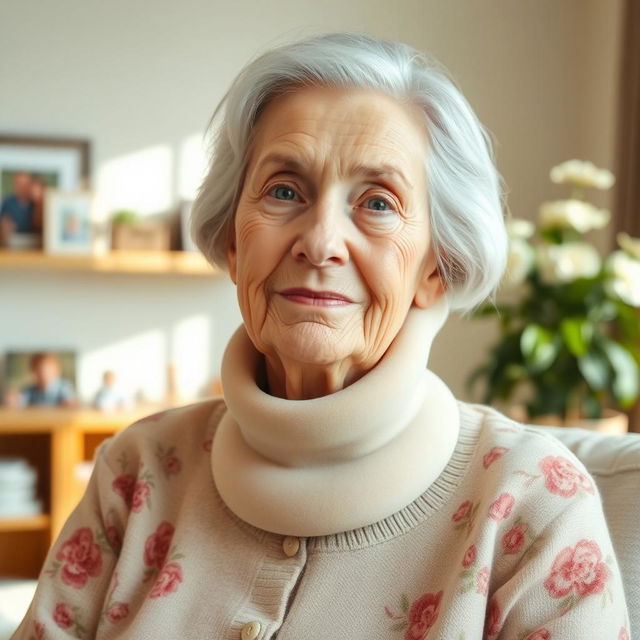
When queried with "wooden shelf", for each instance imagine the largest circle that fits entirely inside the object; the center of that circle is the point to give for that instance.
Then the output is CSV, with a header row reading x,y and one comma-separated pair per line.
x,y
48,419
31,523
140,262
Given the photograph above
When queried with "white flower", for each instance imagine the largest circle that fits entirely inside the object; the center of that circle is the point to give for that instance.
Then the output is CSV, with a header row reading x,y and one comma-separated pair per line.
x,y
582,174
579,215
562,263
519,228
519,261
629,244
625,277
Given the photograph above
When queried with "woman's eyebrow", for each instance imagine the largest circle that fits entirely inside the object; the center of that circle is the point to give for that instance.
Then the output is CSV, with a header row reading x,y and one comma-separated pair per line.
x,y
289,163
388,171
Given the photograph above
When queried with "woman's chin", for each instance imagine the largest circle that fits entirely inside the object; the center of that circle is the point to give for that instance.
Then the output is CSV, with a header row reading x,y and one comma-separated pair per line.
x,y
317,345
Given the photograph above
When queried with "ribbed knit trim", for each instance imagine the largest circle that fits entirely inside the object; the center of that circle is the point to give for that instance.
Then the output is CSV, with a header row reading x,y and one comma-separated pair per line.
x,y
399,523
267,597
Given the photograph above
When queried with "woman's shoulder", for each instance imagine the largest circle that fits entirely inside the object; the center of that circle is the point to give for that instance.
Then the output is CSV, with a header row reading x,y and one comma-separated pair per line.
x,y
522,460
188,428
522,441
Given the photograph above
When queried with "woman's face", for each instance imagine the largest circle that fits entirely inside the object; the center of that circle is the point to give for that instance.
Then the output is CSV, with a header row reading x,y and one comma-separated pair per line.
x,y
332,242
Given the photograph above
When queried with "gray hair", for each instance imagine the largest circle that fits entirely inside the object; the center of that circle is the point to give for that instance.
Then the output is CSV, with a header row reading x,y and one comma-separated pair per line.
x,y
464,187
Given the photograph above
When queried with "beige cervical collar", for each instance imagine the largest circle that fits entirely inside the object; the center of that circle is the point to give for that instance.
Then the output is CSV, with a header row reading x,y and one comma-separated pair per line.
x,y
342,461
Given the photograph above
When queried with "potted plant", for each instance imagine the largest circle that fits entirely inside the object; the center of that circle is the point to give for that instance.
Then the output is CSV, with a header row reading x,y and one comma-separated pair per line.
x,y
569,322
133,233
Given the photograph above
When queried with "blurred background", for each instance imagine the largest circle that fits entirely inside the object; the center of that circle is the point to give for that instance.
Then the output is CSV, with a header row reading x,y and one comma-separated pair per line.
x,y
118,95
140,81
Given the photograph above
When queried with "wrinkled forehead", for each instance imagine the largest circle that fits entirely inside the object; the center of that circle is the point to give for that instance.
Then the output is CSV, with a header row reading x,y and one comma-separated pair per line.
x,y
346,127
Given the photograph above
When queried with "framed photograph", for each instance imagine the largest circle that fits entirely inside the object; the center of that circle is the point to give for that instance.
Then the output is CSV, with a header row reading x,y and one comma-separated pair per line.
x,y
37,378
68,222
185,224
28,166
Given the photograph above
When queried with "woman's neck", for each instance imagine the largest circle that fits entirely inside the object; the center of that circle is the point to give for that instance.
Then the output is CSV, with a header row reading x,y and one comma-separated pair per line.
x,y
299,381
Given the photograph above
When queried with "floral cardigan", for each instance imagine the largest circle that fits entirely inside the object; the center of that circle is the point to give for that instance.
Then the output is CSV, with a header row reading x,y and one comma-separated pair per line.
x,y
509,542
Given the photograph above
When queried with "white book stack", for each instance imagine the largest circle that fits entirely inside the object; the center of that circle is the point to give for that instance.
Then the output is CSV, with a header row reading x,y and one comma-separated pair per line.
x,y
18,489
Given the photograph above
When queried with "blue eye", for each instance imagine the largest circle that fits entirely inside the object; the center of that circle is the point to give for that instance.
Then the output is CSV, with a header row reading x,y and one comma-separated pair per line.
x,y
282,192
377,204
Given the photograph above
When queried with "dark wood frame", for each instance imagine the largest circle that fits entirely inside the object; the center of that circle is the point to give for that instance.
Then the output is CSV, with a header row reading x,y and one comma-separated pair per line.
x,y
82,146
627,202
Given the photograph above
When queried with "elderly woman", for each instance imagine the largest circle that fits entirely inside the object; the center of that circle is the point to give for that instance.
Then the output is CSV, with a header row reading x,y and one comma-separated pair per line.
x,y
339,490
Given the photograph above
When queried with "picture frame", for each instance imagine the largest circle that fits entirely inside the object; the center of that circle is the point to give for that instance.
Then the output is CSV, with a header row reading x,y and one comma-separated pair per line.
x,y
19,373
68,222
28,166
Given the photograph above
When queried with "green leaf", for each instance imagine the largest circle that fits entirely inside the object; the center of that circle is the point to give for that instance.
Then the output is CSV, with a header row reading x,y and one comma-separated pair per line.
x,y
404,603
595,370
626,385
577,334
539,347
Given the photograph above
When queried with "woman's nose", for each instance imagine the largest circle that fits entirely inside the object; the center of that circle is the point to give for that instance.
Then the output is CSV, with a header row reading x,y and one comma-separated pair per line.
x,y
321,240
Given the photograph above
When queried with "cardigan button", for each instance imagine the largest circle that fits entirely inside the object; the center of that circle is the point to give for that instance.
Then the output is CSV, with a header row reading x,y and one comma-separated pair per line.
x,y
290,546
251,630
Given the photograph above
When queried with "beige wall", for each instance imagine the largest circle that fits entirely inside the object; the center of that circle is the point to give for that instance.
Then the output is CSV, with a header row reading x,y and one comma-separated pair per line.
x,y
139,79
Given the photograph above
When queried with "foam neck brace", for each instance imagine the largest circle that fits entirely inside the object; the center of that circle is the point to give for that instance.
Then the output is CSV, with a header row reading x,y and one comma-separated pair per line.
x,y
342,461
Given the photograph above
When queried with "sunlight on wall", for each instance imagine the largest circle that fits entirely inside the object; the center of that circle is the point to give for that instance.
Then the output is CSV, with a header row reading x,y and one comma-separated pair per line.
x,y
191,166
141,181
139,362
189,349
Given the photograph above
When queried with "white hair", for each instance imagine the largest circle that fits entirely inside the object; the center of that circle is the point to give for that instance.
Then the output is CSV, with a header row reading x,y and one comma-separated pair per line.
x,y
464,187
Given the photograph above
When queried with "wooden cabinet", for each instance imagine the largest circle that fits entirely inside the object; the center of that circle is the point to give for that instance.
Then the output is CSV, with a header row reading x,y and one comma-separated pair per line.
x,y
56,442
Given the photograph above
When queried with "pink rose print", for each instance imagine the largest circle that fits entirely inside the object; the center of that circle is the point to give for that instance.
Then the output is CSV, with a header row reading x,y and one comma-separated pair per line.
x,y
167,581
423,615
172,465
540,634
494,454
482,581
141,495
63,616
562,478
578,570
114,610
157,552
462,511
469,556
623,634
468,576
157,546
492,623
117,612
123,485
114,539
501,507
513,540
81,558
465,516
417,620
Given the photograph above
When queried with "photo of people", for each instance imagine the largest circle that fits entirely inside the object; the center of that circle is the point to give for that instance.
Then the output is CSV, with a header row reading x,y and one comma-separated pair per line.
x,y
22,204
42,378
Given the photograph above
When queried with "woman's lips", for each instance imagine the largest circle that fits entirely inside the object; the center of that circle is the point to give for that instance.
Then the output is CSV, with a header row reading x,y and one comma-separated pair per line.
x,y
316,298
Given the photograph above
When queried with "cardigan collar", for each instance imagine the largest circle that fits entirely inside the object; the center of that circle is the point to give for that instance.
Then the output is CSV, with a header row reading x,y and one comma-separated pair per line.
x,y
339,462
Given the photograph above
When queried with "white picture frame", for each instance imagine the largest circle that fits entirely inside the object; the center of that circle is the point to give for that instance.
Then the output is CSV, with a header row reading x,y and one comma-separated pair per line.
x,y
69,226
